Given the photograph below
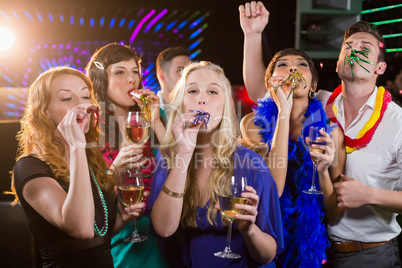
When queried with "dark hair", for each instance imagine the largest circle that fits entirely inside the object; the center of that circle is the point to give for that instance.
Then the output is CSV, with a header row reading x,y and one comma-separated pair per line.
x,y
290,51
96,71
365,27
167,55
103,58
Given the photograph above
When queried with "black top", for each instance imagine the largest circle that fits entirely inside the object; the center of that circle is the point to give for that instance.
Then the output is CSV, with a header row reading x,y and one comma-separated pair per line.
x,y
56,247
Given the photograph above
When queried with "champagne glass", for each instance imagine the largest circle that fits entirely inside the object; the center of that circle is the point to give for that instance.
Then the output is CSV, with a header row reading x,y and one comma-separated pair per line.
x,y
313,134
230,194
130,186
130,190
137,129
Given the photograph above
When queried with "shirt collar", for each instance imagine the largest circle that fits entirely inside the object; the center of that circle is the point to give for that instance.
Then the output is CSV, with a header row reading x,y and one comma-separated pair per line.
x,y
370,103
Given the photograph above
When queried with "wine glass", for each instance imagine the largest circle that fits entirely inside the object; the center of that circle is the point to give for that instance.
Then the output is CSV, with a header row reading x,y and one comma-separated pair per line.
x,y
313,134
130,186
137,129
130,190
230,191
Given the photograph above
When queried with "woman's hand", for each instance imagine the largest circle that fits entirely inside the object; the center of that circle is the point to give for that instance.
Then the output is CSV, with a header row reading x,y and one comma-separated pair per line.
x,y
185,133
130,157
245,220
283,100
127,213
154,105
327,156
74,125
253,17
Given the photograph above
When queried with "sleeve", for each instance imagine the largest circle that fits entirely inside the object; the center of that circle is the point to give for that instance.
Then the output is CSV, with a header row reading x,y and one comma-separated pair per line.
x,y
28,168
269,218
398,156
398,150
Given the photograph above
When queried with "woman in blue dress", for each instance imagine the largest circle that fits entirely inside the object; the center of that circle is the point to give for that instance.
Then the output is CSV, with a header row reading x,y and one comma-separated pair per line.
x,y
283,119
283,122
195,156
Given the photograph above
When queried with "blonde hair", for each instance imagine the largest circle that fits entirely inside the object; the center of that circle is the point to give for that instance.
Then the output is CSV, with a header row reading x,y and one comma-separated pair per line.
x,y
224,139
37,132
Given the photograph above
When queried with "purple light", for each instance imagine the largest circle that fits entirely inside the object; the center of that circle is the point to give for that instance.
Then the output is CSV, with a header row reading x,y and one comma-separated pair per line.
x,y
175,31
60,60
65,58
61,46
161,35
37,46
45,45
83,52
77,60
76,49
24,83
180,35
140,12
22,101
29,70
137,29
154,20
68,46
25,76
54,46
21,109
29,59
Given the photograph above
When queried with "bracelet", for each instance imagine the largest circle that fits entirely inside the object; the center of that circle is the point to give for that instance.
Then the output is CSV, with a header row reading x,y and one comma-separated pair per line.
x,y
171,193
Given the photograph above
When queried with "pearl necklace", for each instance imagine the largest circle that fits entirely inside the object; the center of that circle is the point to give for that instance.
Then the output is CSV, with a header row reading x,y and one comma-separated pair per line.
x,y
105,227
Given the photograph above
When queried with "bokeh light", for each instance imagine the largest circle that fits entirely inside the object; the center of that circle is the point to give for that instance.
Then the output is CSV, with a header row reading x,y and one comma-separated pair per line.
x,y
6,38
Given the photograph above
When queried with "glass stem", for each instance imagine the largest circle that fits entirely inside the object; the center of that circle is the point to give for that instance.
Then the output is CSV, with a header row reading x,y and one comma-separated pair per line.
x,y
229,237
314,171
135,233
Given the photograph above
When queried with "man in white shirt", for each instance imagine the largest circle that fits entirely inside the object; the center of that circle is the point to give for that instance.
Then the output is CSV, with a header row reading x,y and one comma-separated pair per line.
x,y
369,194
169,64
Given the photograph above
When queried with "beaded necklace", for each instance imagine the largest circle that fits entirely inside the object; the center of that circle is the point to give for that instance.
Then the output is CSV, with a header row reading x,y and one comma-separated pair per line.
x,y
105,227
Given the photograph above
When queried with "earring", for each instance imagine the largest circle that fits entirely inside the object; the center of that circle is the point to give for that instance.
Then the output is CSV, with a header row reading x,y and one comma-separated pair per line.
x,y
312,94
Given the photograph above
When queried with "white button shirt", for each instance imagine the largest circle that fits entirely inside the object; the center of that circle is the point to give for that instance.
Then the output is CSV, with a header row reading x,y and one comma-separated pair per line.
x,y
379,165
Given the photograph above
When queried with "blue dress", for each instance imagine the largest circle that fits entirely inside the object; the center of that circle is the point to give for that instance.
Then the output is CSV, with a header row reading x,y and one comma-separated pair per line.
x,y
305,234
195,247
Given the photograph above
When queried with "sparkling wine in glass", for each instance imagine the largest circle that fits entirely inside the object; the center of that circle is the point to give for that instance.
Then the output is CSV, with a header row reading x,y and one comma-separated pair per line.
x,y
137,127
137,132
230,194
313,134
131,186
130,190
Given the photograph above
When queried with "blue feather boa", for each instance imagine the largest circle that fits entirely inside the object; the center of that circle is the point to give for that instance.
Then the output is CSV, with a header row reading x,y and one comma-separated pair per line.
x,y
305,235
